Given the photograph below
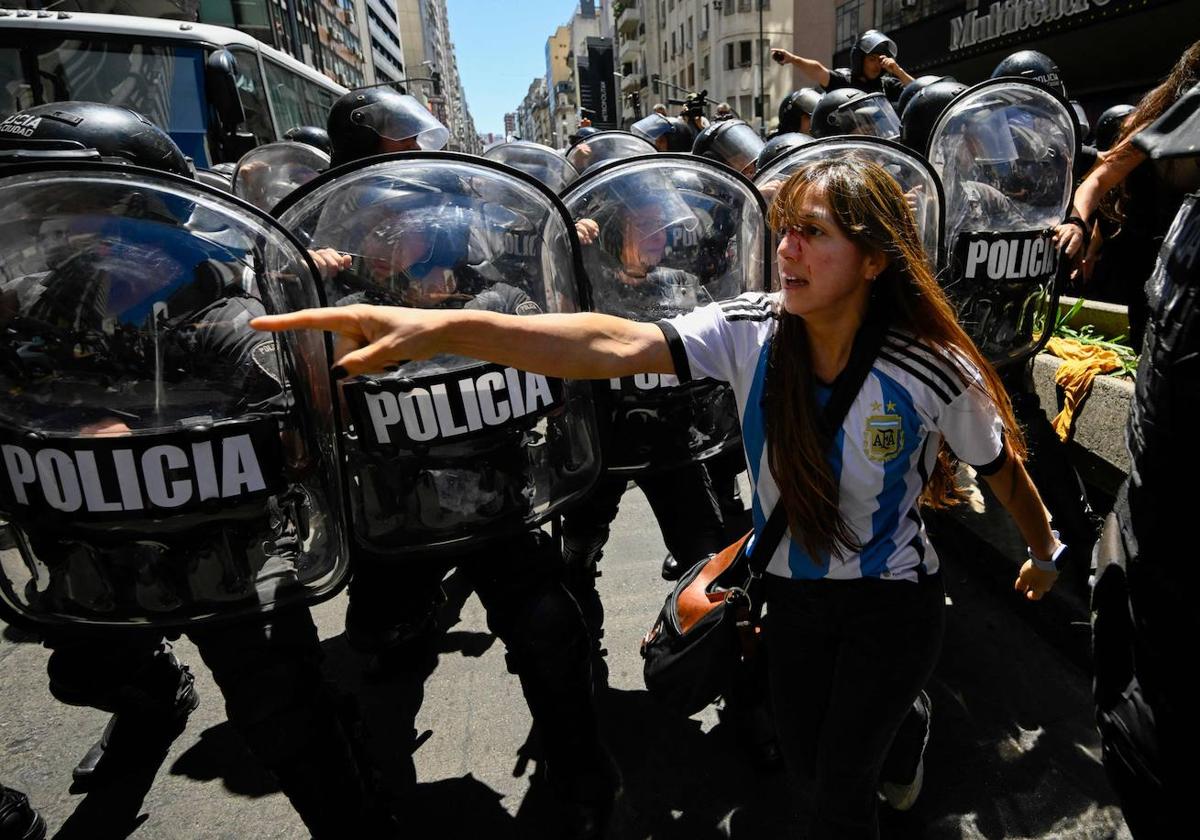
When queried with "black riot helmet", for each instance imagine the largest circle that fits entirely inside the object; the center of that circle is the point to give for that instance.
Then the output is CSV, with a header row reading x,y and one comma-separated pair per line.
x,y
871,42
923,110
795,107
780,145
582,132
1109,125
376,120
851,111
731,142
1035,66
668,134
914,87
89,130
318,138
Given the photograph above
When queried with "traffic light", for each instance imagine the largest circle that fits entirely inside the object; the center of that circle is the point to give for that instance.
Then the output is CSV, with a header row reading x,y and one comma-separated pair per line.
x,y
437,83
654,83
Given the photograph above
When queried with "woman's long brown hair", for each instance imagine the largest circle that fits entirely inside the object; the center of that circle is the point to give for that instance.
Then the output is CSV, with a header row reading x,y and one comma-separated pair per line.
x,y
870,209
1183,76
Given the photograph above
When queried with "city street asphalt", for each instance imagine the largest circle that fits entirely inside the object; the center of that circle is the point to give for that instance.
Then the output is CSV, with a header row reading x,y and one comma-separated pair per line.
x,y
1013,751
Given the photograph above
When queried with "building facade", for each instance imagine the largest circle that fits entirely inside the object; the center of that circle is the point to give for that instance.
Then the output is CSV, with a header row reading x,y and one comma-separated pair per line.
x,y
379,26
560,87
428,50
721,46
1108,51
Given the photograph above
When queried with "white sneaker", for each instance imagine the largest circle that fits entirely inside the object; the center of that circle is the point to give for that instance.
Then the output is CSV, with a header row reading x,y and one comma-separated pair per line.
x,y
903,797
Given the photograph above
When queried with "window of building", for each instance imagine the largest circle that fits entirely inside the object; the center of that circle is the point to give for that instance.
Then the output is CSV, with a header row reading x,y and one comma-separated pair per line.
x,y
729,8
704,69
745,53
691,76
690,30
729,56
746,106
664,52
673,45
846,24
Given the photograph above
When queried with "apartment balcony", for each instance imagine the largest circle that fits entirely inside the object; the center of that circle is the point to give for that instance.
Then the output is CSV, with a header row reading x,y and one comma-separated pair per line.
x,y
632,81
629,18
630,52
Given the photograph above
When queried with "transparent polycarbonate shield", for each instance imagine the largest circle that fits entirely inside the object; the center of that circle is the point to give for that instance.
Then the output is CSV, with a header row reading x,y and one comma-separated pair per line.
x,y
1005,152
161,463
268,174
448,452
598,149
665,235
542,162
917,180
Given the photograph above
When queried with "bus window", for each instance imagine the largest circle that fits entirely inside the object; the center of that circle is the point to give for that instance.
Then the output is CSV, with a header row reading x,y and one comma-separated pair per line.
x,y
254,96
318,101
163,82
15,93
287,95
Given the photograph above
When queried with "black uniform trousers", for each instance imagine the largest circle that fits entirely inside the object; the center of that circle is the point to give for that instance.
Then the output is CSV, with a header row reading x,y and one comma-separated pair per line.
x,y
275,696
847,660
519,581
687,511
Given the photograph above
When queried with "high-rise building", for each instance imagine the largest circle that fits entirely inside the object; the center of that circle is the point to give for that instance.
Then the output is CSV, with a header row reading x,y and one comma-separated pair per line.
x,y
379,26
560,87
429,53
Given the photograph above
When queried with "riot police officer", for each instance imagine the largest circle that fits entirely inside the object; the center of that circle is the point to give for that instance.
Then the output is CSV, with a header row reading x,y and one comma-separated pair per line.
x,y
152,283
873,67
850,111
465,486
731,142
377,120
312,135
795,111
668,134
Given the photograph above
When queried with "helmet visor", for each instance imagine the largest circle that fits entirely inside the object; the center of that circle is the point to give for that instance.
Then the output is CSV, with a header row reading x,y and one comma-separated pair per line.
x,y
871,115
651,127
411,121
738,146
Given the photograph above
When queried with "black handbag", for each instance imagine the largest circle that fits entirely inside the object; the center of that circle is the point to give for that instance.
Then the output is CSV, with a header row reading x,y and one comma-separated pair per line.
x,y
710,622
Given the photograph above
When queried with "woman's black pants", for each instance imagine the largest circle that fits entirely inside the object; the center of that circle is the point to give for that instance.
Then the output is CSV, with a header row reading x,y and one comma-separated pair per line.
x,y
847,660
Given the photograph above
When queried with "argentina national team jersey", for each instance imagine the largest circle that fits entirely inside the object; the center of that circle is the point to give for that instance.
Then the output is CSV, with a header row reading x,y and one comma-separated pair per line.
x,y
914,398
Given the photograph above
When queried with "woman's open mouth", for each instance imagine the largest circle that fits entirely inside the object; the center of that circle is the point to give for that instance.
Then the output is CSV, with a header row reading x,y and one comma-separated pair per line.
x,y
790,282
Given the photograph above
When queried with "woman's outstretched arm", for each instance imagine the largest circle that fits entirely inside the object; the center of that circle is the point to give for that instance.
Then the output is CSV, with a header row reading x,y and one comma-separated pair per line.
x,y
576,346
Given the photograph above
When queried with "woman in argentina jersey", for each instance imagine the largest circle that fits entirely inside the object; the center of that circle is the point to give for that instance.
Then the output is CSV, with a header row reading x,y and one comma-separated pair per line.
x,y
855,601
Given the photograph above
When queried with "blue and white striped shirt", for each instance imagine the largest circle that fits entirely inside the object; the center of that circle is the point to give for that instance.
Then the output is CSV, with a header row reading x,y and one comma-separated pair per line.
x,y
914,398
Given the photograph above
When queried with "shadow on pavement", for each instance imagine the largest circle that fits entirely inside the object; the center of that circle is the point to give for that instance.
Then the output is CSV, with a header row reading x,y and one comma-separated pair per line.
x,y
222,753
112,807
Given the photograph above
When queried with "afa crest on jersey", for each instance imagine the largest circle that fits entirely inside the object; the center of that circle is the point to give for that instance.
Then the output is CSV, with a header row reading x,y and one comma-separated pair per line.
x,y
884,434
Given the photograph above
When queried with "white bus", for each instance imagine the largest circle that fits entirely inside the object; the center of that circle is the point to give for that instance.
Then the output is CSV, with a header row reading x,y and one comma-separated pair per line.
x,y
176,73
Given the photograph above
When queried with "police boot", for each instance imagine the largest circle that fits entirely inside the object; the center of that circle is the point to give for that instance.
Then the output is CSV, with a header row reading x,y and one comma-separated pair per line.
x,y
156,716
18,819
586,797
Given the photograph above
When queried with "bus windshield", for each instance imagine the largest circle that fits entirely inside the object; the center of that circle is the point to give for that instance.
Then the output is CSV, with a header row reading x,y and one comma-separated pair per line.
x,y
162,81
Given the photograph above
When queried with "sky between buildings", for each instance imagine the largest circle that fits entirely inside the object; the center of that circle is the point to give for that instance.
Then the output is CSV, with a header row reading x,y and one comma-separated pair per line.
x,y
500,48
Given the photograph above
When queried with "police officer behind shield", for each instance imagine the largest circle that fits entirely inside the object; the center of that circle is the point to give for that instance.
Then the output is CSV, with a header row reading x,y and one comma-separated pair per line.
x,y
267,668
428,244
873,67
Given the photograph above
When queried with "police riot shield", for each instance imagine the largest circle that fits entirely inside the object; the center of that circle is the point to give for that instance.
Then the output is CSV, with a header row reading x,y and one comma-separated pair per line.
x,y
1005,151
162,464
917,180
605,146
446,453
268,174
542,162
671,232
